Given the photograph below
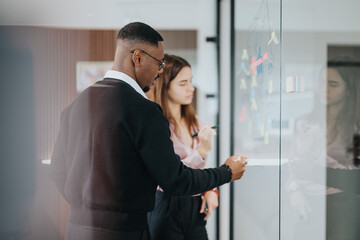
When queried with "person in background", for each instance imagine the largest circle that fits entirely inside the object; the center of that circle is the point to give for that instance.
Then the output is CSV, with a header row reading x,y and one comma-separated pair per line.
x,y
113,148
182,217
342,102
343,127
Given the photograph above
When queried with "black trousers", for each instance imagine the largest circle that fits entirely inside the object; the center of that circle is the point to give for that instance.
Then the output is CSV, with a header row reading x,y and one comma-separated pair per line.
x,y
177,218
81,232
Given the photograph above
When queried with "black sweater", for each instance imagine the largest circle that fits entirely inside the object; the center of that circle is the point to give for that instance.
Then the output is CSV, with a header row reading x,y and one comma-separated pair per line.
x,y
112,150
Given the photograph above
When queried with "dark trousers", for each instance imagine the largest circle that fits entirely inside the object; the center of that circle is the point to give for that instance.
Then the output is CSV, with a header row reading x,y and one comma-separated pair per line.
x,y
177,218
342,216
81,232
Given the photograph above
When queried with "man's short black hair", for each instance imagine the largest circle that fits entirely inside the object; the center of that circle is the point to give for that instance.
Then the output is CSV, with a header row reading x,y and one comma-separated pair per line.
x,y
139,32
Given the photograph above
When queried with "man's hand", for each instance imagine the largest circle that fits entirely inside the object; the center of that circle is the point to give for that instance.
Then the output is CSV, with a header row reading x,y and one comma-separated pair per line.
x,y
237,165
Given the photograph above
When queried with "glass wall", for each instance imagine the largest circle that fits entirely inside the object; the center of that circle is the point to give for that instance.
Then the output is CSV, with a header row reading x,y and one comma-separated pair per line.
x,y
256,117
320,185
296,116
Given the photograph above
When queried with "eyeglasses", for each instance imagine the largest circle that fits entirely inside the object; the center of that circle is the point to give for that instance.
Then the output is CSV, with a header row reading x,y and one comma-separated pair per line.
x,y
161,62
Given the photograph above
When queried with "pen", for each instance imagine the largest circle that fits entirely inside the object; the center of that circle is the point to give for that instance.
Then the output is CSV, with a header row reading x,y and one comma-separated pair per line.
x,y
213,127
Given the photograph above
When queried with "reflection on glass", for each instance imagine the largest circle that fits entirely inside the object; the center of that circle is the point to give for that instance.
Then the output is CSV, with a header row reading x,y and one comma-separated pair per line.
x,y
305,184
343,173
304,195
257,118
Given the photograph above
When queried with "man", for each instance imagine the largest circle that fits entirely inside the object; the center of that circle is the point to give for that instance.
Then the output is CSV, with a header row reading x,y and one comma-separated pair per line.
x,y
114,147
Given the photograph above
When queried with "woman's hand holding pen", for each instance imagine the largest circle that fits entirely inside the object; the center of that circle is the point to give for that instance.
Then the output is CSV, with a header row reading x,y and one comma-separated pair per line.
x,y
237,165
205,136
209,203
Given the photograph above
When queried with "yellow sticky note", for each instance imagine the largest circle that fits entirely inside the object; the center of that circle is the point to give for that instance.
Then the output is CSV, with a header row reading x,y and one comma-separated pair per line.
x,y
273,39
266,138
253,82
253,104
290,84
245,55
242,84
262,130
270,87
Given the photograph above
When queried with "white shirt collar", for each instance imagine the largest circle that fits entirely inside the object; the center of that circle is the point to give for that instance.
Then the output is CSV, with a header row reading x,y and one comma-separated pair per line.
x,y
126,78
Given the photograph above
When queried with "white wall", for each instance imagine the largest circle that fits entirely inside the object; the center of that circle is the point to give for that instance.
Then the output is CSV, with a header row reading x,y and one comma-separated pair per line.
x,y
174,14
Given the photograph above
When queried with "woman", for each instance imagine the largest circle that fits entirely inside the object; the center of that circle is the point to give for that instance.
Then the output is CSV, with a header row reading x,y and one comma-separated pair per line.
x,y
182,217
342,169
343,175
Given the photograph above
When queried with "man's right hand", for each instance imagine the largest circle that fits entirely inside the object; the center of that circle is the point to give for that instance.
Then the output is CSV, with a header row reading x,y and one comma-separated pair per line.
x,y
237,165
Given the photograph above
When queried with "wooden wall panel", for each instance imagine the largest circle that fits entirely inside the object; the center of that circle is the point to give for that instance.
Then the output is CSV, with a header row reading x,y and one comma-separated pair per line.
x,y
186,39
102,45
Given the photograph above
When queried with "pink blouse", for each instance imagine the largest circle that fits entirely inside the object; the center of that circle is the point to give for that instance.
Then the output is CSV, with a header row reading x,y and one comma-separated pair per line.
x,y
188,155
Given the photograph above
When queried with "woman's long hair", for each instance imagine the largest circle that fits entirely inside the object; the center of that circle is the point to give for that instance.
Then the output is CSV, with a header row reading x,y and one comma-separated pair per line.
x,y
349,117
173,66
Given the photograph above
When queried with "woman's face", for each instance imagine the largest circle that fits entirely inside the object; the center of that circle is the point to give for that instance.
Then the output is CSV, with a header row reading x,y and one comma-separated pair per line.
x,y
181,89
336,87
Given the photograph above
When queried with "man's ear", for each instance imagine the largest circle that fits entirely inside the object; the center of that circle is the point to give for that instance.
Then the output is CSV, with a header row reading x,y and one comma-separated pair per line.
x,y
137,58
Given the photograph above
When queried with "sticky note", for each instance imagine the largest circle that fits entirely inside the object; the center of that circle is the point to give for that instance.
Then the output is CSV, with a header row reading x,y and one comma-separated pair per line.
x,y
252,66
243,114
245,54
259,65
260,60
270,67
262,129
242,69
273,38
253,82
242,84
253,104
266,138
270,90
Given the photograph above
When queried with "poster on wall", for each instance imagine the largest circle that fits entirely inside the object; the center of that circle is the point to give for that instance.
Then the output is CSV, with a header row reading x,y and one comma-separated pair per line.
x,y
89,72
